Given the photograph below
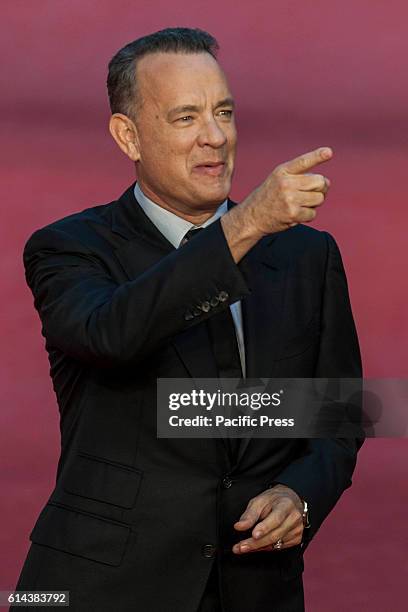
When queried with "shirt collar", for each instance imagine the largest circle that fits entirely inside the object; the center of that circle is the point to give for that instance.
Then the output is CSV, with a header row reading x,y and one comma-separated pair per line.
x,y
173,227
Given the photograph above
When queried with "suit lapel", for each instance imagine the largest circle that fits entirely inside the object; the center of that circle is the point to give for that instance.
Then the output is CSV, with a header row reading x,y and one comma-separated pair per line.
x,y
146,246
262,311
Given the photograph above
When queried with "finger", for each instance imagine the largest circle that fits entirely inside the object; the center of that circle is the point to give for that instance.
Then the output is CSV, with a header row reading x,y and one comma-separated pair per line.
x,y
292,537
270,548
289,537
312,182
304,162
306,214
248,518
266,532
309,198
276,519
288,528
287,534
292,542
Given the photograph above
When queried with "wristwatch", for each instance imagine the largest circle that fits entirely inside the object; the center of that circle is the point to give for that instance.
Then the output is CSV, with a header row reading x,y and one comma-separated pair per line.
x,y
305,514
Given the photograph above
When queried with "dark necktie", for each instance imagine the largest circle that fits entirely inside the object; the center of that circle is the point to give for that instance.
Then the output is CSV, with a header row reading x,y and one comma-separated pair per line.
x,y
221,331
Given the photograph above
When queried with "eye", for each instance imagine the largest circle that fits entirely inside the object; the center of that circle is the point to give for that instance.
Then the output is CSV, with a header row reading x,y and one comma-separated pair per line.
x,y
185,119
228,113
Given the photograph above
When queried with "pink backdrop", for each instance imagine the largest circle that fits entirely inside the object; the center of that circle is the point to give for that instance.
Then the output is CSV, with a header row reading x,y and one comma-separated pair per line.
x,y
304,75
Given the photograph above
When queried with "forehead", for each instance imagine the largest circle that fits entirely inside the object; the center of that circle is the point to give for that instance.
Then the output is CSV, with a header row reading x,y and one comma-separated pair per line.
x,y
166,78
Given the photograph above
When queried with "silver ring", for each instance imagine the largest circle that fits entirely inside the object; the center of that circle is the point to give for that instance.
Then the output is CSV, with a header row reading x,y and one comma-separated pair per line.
x,y
278,544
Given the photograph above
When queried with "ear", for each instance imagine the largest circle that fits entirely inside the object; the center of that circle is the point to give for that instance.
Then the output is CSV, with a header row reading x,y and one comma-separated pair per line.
x,y
124,132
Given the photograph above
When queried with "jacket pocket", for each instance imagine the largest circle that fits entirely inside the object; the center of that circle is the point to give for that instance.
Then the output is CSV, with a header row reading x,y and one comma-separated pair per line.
x,y
85,535
101,480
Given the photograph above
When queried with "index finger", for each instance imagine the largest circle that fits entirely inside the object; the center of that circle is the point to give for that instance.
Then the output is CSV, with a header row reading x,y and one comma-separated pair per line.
x,y
306,161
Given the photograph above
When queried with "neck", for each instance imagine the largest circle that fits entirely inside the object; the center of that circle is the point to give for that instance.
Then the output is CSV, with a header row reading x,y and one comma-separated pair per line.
x,y
193,215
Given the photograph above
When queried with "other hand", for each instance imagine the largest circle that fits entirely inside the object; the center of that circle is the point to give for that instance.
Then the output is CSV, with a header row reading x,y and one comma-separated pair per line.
x,y
279,512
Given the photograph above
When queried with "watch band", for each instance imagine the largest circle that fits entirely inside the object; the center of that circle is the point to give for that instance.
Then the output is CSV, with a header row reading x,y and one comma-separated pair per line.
x,y
305,514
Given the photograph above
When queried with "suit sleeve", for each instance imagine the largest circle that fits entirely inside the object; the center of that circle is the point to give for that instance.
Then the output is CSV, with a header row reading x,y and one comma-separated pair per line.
x,y
324,471
93,319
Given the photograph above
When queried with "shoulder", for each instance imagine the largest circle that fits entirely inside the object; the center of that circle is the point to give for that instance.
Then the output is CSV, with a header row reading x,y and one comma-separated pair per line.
x,y
80,230
303,240
306,235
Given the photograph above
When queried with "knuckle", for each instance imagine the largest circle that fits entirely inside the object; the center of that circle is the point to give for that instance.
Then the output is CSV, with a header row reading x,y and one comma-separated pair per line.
x,y
280,515
298,528
287,505
306,161
284,181
278,170
281,184
302,160
297,512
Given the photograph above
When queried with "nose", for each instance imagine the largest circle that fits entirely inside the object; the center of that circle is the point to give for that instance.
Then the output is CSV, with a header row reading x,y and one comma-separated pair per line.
x,y
211,134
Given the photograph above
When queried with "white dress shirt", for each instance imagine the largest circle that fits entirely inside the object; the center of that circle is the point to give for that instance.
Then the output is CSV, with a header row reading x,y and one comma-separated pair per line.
x,y
174,228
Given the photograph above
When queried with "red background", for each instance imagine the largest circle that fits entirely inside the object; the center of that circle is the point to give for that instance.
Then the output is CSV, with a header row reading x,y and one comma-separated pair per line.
x,y
303,75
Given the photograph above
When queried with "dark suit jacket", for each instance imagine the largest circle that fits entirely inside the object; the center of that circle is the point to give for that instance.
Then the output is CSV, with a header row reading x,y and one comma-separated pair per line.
x,y
135,522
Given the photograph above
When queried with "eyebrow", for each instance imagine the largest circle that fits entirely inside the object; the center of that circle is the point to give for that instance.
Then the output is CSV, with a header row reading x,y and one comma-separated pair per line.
x,y
195,109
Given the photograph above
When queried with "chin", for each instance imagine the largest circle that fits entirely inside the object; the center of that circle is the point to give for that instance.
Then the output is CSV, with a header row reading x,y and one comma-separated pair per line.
x,y
215,193
213,199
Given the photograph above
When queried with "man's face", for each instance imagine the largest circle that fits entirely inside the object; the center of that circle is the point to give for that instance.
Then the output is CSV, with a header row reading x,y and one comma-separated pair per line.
x,y
185,125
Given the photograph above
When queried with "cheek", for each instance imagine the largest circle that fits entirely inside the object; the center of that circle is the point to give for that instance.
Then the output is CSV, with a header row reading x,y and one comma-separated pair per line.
x,y
232,137
171,149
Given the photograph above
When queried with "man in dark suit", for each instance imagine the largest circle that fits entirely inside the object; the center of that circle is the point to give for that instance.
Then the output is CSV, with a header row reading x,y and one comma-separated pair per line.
x,y
127,295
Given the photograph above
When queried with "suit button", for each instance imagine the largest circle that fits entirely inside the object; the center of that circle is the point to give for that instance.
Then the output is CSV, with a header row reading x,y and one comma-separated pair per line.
x,y
223,296
196,312
188,316
226,482
214,301
208,551
205,306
